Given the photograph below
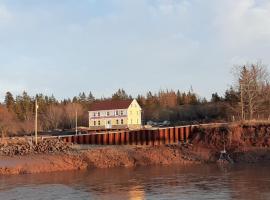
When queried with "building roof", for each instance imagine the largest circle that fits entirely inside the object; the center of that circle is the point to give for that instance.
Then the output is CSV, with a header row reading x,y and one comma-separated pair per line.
x,y
111,105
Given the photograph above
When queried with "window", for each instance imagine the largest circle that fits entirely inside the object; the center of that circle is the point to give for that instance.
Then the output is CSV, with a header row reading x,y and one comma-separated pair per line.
x,y
117,121
99,123
94,123
122,121
122,112
94,114
116,112
98,114
108,113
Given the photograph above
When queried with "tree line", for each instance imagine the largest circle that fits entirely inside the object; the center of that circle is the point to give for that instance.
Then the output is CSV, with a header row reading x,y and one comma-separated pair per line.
x,y
247,98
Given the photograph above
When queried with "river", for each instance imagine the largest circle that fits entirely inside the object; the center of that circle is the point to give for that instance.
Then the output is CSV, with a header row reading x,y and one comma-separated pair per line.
x,y
162,182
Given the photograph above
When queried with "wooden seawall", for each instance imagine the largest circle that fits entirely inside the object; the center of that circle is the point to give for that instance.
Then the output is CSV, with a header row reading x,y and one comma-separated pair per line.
x,y
160,136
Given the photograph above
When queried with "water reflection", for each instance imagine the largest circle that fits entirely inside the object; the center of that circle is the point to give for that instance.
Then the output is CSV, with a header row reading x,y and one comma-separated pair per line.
x,y
174,182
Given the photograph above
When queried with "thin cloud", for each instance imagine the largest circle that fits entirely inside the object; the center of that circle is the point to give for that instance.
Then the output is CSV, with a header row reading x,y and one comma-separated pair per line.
x,y
140,44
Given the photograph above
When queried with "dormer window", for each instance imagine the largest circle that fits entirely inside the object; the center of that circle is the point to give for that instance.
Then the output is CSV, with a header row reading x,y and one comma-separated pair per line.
x,y
116,112
122,112
108,113
98,114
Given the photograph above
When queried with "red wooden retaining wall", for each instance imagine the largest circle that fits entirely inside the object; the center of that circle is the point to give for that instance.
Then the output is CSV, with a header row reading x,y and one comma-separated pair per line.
x,y
170,135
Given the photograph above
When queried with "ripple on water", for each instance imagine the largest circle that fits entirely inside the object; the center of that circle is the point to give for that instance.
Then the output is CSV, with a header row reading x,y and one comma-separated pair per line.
x,y
173,182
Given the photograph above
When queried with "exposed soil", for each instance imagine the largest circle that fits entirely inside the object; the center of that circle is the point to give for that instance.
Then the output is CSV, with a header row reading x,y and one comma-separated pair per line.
x,y
245,144
96,157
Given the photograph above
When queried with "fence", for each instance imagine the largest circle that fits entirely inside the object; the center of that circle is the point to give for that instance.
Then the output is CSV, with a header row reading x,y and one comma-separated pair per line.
x,y
161,136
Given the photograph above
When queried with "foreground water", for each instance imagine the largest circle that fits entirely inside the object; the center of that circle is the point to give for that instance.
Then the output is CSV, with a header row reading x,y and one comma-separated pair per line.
x,y
174,182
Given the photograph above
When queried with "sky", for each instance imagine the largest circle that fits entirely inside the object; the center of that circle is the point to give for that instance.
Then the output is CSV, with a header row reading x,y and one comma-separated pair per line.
x,y
64,47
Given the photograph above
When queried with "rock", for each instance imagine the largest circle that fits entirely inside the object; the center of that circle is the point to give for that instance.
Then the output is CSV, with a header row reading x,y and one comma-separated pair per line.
x,y
24,147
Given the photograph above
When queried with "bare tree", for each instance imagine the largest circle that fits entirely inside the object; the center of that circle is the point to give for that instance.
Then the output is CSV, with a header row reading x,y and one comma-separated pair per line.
x,y
70,112
6,121
53,116
252,81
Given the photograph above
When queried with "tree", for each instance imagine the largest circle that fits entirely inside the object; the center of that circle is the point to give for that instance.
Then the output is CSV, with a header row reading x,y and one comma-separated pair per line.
x,y
24,107
70,113
90,98
10,102
252,81
168,99
82,98
120,95
216,98
54,116
6,121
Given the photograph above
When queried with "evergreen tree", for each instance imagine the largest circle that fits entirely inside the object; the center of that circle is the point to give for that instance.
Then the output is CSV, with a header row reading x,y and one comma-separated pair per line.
x,y
216,98
120,95
90,98
82,98
10,102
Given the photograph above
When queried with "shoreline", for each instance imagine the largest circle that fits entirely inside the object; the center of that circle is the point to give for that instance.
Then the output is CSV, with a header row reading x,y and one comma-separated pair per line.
x,y
244,144
122,156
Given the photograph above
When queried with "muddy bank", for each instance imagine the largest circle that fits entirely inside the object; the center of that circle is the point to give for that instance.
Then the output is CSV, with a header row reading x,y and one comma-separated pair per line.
x,y
123,156
40,163
244,144
96,157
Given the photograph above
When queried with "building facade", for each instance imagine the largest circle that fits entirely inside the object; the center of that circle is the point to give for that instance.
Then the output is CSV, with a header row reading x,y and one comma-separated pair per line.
x,y
115,114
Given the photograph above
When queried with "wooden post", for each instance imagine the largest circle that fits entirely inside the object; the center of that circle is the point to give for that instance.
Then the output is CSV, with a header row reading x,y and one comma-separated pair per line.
x,y
167,136
127,137
123,142
134,138
80,139
161,137
87,139
105,139
111,138
148,137
156,137
182,133
116,138
187,132
93,139
69,139
176,134
75,139
99,137
138,137
143,134
171,135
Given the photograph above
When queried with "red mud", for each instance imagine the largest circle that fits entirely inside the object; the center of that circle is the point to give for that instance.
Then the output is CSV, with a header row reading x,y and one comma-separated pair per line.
x,y
98,157
245,144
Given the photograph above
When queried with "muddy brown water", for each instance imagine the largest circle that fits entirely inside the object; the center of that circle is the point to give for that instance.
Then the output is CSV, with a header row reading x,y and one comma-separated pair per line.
x,y
171,182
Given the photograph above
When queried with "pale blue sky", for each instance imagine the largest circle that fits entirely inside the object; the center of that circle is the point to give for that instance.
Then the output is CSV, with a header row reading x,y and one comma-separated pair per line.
x,y
63,47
